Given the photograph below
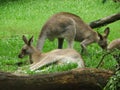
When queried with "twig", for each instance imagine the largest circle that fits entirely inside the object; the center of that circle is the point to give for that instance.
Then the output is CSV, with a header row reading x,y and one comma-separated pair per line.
x,y
103,59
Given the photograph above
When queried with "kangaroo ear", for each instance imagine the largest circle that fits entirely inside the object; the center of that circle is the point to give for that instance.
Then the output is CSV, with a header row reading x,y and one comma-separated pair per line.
x,y
106,32
30,41
25,39
101,37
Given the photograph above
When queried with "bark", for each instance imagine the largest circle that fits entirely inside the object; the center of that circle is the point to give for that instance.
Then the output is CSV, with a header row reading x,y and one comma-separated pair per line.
x,y
105,21
77,79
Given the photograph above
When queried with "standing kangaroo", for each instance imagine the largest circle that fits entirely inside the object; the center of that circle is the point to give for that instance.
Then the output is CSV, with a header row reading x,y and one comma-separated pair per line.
x,y
68,26
59,56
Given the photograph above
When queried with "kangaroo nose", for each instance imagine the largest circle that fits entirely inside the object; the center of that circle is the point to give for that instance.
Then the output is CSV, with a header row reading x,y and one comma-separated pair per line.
x,y
19,56
104,47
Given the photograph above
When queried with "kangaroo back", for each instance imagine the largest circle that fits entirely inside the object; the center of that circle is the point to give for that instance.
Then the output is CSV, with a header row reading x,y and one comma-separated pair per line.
x,y
59,56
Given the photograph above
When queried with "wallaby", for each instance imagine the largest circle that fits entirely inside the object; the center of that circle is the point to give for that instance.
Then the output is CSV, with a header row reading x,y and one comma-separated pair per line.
x,y
114,44
71,27
59,56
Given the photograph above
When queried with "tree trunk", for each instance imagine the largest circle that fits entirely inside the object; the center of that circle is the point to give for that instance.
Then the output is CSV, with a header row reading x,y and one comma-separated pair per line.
x,y
77,79
105,21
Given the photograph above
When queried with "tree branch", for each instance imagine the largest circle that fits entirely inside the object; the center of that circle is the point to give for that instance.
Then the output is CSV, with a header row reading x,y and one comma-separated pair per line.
x,y
105,21
77,79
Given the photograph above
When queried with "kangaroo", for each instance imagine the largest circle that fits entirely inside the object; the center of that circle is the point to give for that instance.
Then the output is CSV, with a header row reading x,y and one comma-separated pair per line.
x,y
71,27
59,56
114,44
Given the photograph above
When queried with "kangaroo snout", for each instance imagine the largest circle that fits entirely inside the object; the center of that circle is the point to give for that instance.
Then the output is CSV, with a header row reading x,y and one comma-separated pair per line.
x,y
20,56
104,46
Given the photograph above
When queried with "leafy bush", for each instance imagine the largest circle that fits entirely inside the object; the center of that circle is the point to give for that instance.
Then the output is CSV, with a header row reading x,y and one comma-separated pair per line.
x,y
114,82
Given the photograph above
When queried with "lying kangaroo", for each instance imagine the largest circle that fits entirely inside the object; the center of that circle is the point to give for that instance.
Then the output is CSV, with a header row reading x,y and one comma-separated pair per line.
x,y
68,26
114,44
59,56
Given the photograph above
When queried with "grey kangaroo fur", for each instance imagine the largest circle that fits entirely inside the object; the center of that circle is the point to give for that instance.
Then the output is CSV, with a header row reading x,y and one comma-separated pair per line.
x,y
71,27
59,56
114,44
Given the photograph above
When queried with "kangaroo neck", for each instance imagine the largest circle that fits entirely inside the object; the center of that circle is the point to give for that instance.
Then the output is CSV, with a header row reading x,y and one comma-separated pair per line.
x,y
35,55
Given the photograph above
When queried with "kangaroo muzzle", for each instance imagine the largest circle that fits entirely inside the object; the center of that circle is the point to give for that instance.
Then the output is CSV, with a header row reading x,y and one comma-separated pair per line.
x,y
20,56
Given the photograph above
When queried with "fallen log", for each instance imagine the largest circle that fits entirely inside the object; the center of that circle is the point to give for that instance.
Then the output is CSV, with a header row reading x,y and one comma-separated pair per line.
x,y
104,21
77,79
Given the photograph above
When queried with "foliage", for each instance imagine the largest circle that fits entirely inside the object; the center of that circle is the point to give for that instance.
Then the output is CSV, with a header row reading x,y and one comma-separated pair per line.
x,y
47,69
114,82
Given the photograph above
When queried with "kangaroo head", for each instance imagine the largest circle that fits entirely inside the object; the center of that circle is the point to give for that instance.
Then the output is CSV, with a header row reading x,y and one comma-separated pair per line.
x,y
103,38
27,49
